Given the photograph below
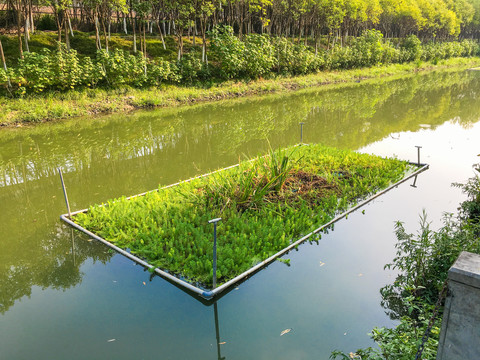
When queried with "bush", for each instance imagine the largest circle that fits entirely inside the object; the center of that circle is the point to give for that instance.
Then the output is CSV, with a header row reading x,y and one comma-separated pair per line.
x,y
66,69
228,49
92,72
46,22
160,71
258,56
33,72
423,260
293,59
411,49
189,68
368,49
122,68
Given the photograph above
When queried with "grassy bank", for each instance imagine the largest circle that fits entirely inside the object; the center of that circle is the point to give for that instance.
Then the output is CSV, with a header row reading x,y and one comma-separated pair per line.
x,y
62,105
265,206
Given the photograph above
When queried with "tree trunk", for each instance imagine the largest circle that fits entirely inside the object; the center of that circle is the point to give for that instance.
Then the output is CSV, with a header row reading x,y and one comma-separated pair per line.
x,y
105,34
19,28
161,36
30,17
97,31
134,25
144,40
67,38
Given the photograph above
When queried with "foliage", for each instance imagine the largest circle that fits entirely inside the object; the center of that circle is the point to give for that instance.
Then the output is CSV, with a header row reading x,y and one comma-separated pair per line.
x,y
401,342
122,68
411,48
258,56
265,205
190,68
229,51
470,209
84,101
295,59
46,22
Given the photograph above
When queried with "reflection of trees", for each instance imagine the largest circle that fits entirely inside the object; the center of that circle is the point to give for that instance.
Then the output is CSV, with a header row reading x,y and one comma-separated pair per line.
x,y
36,250
53,263
336,116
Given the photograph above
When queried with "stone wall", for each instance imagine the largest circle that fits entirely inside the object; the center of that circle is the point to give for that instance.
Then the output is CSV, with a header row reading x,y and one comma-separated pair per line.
x,y
460,334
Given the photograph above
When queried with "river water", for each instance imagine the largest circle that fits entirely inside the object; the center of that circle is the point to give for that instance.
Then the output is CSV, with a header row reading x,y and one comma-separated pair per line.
x,y
65,297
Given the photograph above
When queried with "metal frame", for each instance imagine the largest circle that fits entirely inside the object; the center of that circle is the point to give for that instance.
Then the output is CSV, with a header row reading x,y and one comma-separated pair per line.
x,y
210,294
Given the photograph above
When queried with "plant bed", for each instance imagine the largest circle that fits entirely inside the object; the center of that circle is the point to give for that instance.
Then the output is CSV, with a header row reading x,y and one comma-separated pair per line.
x,y
265,204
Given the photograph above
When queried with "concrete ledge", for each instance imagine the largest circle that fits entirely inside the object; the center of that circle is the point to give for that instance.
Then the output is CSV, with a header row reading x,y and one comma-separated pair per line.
x,y
460,334
466,269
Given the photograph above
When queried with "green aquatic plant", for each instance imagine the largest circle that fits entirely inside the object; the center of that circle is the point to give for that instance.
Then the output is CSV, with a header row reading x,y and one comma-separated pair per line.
x,y
265,203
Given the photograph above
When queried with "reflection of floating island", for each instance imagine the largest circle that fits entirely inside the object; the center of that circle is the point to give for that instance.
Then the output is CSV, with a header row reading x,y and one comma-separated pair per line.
x,y
425,126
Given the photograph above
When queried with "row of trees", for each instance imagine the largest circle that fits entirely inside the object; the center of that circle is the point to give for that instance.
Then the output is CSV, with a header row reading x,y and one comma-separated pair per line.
x,y
302,19
256,56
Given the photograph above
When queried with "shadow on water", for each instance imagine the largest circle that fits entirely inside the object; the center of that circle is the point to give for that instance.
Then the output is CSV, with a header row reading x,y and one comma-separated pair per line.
x,y
126,154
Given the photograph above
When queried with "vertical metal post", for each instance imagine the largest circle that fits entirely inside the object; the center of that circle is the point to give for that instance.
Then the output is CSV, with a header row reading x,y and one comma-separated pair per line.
x,y
414,185
301,132
217,332
418,153
73,248
65,193
214,222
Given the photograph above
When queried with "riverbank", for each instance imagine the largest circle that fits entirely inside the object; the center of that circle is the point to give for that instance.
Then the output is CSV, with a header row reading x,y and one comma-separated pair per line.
x,y
89,102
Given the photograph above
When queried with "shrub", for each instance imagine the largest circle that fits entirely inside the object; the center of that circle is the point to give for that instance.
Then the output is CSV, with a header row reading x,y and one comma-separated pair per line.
x,y
258,56
160,70
411,48
368,49
92,72
228,49
122,68
189,68
66,70
46,22
293,59
423,260
33,72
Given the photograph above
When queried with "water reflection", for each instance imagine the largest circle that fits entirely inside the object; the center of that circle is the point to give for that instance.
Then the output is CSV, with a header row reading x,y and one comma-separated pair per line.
x,y
126,154
50,263
347,116
217,332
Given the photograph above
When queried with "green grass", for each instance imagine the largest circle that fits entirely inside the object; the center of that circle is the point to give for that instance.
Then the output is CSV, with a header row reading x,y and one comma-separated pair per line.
x,y
266,204
55,105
